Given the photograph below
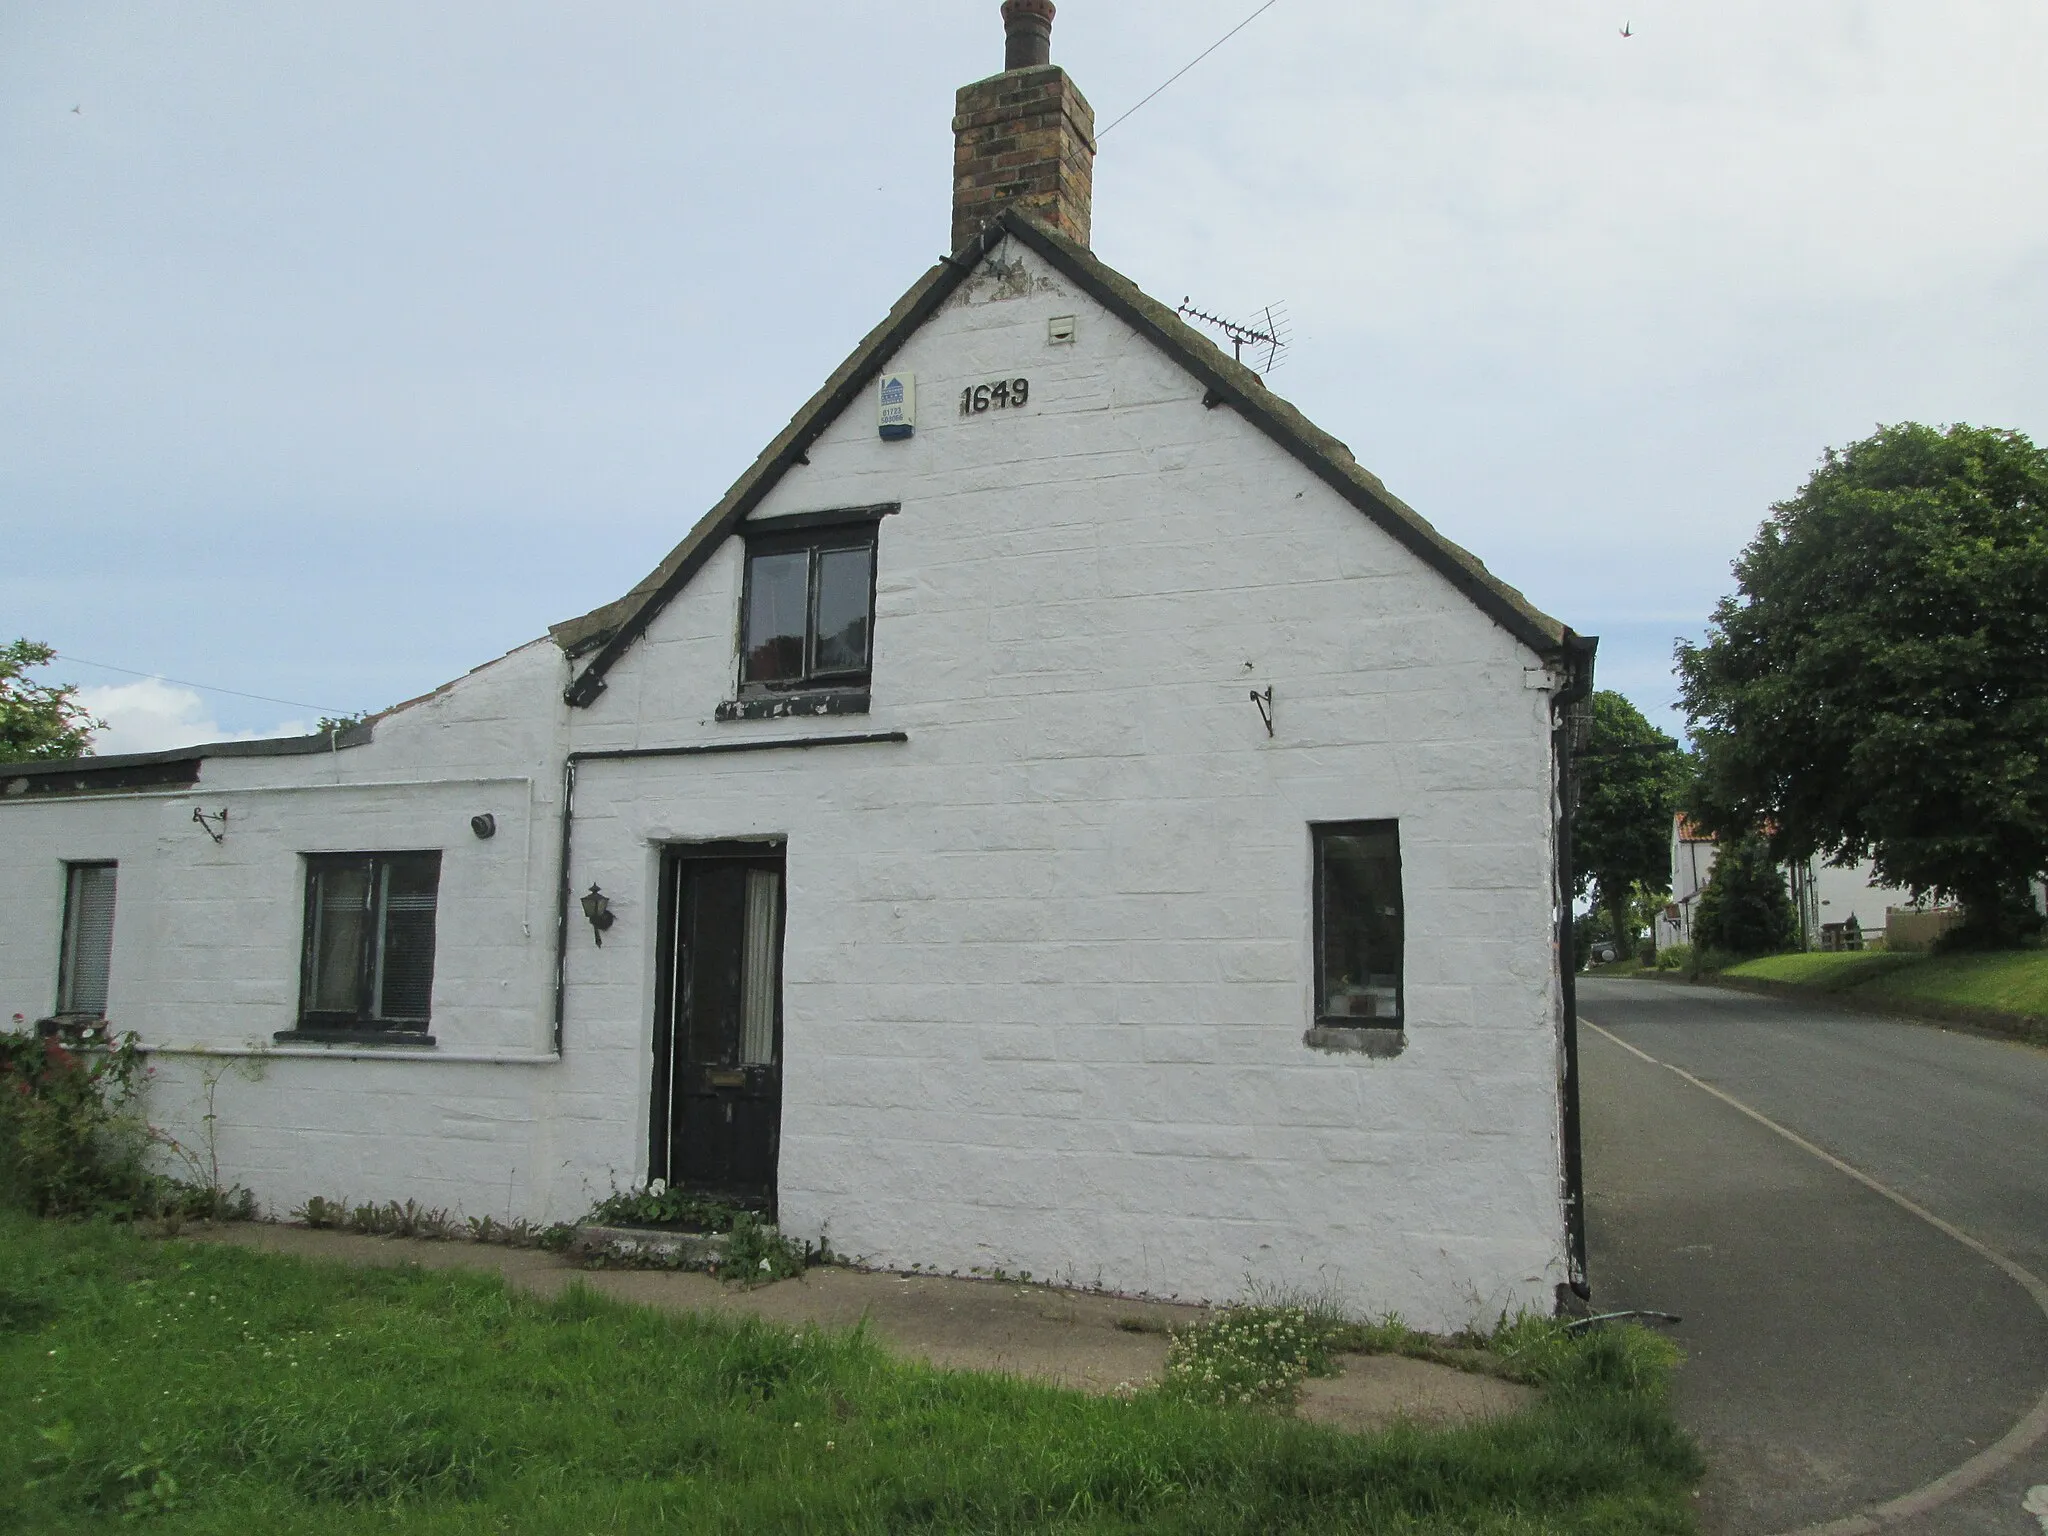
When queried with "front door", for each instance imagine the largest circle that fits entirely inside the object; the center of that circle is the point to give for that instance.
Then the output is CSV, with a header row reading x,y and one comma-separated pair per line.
x,y
717,1113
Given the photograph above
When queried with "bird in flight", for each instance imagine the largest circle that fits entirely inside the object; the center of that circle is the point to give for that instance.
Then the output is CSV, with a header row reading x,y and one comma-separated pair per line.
x,y
1625,30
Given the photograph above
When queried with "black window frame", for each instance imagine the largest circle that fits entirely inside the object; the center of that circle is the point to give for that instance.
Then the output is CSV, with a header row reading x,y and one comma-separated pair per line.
x,y
814,535
363,1022
1349,1024
67,950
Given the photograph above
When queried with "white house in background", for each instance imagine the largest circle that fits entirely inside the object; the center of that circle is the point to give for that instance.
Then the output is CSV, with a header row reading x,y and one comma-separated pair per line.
x,y
1825,897
1056,812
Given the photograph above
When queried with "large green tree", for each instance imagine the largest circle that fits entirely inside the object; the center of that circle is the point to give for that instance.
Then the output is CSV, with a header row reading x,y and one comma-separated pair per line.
x,y
39,720
1631,777
1877,686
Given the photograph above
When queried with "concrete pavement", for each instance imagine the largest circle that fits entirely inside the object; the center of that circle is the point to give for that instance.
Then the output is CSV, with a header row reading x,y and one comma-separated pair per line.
x,y
1844,1351
1078,1339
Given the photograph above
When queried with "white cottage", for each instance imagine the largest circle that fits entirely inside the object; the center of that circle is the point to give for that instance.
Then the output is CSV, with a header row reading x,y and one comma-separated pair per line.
x,y
1826,898
1057,812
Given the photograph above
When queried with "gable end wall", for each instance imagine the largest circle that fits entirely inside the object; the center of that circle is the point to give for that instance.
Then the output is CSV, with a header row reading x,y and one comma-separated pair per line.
x,y
1048,963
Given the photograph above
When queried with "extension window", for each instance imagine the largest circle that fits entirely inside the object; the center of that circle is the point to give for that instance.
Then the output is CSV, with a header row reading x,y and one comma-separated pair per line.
x,y
368,967
1358,918
88,951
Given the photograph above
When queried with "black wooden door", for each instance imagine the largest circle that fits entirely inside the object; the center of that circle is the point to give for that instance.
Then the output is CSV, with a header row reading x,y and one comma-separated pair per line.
x,y
717,1113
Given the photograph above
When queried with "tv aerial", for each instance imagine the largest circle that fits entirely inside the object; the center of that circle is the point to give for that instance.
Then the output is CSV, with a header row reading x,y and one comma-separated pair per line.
x,y
1269,331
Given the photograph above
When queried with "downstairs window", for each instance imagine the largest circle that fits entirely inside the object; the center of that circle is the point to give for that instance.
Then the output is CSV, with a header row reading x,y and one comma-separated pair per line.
x,y
88,940
1358,918
369,950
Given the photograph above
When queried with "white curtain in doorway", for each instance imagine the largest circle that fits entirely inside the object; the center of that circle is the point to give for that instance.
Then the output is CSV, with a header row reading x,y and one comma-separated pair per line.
x,y
760,979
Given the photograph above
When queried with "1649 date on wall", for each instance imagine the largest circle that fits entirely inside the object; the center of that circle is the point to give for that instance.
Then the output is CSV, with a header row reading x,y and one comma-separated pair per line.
x,y
1002,395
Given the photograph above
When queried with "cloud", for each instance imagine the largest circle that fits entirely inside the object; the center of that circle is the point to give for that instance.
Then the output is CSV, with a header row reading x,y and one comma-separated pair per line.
x,y
155,716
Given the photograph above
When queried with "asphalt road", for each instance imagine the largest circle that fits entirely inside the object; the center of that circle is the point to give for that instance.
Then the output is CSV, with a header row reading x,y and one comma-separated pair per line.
x,y
1842,1350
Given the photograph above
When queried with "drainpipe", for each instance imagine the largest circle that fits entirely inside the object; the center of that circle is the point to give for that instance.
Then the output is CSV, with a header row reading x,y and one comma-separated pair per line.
x,y
1577,657
562,896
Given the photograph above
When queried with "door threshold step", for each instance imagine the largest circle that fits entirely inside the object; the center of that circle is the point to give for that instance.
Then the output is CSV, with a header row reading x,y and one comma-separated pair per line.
x,y
646,1248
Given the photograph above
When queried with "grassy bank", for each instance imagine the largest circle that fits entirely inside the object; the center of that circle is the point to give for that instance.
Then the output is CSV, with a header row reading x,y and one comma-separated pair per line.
x,y
208,1388
2010,983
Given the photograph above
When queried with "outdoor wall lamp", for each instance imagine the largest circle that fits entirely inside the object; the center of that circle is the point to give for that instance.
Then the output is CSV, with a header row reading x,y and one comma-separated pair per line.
x,y
598,908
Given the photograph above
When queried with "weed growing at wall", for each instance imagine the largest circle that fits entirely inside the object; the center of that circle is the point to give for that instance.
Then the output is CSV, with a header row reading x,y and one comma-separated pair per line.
x,y
200,1195
660,1205
756,1253
411,1219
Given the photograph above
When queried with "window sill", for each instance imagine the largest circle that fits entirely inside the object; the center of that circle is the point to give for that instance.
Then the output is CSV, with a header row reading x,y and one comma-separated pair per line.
x,y
1380,1040
779,706
393,1039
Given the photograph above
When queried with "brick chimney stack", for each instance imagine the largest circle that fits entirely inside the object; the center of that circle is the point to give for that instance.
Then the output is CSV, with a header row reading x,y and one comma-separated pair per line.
x,y
1024,138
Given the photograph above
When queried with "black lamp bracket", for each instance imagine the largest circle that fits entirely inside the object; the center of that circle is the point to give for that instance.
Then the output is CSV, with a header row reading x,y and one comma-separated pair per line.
x,y
1264,700
597,907
218,833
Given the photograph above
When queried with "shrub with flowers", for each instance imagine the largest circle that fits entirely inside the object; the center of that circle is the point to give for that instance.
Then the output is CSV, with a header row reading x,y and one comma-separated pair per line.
x,y
72,1136
1247,1355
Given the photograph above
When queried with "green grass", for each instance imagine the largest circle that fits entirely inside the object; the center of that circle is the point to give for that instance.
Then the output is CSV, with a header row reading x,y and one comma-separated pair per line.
x,y
202,1388
2010,982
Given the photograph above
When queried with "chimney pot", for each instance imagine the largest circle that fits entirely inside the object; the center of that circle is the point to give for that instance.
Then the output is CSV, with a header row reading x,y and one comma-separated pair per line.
x,y
1027,33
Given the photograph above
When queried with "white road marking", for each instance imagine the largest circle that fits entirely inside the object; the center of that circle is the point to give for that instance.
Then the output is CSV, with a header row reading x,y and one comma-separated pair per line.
x,y
2032,1428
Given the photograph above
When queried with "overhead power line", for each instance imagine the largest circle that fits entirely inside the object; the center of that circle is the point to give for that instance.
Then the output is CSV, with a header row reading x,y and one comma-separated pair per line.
x,y
1191,63
107,666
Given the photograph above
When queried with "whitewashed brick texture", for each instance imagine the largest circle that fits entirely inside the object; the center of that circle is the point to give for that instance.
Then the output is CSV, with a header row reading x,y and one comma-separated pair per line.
x,y
1047,965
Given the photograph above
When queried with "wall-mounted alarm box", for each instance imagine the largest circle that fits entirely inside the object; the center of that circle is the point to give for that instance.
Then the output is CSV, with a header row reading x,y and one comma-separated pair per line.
x,y
897,405
1059,330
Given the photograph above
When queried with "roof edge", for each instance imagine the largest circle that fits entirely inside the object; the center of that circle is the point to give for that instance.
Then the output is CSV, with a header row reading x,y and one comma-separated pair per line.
x,y
628,617
1231,383
357,735
609,631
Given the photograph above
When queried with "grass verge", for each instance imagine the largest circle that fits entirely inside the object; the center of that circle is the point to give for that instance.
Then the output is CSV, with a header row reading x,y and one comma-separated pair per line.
x,y
2013,982
203,1388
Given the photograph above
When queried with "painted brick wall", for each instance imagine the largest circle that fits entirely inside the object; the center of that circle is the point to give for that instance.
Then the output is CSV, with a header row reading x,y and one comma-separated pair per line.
x,y
1047,967
1024,139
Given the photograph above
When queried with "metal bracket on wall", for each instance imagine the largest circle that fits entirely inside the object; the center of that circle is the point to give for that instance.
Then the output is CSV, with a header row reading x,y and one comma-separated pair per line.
x,y
1265,703
207,822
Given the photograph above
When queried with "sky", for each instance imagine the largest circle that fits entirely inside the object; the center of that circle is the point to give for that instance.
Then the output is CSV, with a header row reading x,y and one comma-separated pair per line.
x,y
344,348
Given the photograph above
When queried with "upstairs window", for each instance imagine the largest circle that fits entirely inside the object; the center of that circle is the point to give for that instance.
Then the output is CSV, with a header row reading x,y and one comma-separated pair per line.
x,y
88,940
369,957
1358,925
807,613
